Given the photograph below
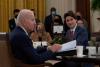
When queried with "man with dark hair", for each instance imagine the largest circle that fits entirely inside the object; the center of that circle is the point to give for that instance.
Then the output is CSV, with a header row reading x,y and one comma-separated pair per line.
x,y
12,22
66,28
76,32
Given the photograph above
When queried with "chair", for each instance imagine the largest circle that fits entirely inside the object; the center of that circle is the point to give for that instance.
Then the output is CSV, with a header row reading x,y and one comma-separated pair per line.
x,y
18,63
6,56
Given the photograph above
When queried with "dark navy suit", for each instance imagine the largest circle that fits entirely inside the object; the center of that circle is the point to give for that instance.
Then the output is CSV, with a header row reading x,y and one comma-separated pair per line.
x,y
12,24
23,49
80,35
49,22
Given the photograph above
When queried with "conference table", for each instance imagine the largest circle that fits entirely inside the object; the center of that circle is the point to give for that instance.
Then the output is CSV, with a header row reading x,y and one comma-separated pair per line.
x,y
86,59
91,57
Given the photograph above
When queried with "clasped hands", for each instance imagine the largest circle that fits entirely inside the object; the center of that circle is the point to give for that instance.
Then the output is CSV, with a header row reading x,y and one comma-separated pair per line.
x,y
54,48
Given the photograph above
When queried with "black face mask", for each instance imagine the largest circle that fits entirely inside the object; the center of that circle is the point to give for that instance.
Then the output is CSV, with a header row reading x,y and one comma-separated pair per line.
x,y
16,16
56,20
78,17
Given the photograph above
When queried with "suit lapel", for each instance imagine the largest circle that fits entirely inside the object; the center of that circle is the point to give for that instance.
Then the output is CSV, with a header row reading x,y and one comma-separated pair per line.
x,y
76,32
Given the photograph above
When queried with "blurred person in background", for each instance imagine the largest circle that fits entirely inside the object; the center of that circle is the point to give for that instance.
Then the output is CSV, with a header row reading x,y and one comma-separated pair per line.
x,y
12,22
49,21
41,34
81,21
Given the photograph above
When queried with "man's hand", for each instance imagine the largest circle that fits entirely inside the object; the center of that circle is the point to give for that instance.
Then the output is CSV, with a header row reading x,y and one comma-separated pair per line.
x,y
55,47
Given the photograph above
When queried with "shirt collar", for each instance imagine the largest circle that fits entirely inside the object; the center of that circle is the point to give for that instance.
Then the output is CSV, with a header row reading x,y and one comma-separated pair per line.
x,y
73,28
24,30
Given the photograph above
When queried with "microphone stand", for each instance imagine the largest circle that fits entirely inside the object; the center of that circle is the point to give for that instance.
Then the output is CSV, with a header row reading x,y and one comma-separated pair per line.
x,y
40,39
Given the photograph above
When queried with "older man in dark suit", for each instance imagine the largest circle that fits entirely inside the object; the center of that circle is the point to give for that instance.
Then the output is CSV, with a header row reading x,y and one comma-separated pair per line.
x,y
22,44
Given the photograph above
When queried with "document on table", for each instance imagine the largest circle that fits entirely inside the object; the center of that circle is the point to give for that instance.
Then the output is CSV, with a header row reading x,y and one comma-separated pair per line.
x,y
68,46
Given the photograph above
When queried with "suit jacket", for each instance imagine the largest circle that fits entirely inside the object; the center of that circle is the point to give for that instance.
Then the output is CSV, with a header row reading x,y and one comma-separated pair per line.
x,y
12,24
23,49
80,35
49,24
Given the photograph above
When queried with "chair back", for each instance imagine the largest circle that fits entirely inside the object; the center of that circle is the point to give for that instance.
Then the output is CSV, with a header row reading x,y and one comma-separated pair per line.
x,y
5,59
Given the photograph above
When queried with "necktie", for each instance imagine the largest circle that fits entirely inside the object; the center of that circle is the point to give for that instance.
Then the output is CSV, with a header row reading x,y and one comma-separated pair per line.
x,y
72,34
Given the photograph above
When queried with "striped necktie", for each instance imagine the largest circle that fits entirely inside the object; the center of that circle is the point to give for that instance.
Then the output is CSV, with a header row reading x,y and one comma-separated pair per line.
x,y
72,34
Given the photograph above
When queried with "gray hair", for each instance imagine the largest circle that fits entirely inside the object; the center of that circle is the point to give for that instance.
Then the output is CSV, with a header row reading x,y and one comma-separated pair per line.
x,y
23,14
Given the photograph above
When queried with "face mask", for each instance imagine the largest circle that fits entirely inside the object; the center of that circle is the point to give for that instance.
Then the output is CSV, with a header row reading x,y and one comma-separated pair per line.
x,y
53,12
56,20
78,17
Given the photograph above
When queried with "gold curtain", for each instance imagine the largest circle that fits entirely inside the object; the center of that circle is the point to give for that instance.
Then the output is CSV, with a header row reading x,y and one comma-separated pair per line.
x,y
7,7
4,15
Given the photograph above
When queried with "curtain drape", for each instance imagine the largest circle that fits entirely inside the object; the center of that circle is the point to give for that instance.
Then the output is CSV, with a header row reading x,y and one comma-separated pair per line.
x,y
7,7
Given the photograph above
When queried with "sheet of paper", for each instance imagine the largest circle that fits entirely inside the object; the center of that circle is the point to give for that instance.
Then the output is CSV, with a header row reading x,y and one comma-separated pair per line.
x,y
57,29
2,32
68,46
52,61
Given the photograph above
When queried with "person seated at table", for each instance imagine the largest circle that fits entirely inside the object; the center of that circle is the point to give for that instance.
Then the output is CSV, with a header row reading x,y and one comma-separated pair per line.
x,y
76,32
41,34
21,43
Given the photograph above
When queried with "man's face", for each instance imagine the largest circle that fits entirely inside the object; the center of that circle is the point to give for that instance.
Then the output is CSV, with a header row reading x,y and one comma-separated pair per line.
x,y
71,22
31,23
